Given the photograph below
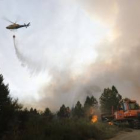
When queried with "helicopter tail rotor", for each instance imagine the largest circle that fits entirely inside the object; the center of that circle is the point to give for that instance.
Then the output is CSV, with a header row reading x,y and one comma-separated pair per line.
x,y
27,25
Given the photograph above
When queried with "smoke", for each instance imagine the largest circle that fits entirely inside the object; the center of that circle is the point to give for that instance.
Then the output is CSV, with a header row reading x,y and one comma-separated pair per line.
x,y
117,62
118,58
104,11
66,89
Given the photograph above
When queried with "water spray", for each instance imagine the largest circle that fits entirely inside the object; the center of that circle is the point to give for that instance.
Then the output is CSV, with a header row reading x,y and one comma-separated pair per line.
x,y
19,55
25,59
14,41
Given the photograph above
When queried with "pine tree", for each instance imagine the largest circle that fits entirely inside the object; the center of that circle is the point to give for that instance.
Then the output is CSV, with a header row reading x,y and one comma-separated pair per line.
x,y
64,112
110,98
8,108
90,102
90,106
48,114
78,110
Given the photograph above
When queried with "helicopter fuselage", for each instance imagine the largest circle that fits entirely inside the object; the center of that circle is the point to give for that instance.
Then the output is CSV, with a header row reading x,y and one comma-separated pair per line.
x,y
16,26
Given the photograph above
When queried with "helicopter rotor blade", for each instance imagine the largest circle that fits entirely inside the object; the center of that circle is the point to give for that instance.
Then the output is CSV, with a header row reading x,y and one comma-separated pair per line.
x,y
8,20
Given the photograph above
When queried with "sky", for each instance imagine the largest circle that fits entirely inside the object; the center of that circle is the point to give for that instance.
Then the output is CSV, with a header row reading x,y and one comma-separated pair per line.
x,y
73,49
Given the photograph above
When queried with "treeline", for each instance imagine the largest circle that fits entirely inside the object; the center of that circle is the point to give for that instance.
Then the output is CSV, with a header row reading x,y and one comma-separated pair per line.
x,y
18,123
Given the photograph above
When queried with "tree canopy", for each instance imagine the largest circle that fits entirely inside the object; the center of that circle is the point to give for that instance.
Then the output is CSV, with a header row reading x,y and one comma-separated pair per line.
x,y
78,110
64,112
110,98
8,107
90,106
90,102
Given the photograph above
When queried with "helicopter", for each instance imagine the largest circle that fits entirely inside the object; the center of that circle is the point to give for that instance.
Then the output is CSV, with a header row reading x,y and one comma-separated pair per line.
x,y
16,26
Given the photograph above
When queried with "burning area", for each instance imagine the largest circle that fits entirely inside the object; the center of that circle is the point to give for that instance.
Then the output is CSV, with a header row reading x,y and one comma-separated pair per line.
x,y
84,47
94,118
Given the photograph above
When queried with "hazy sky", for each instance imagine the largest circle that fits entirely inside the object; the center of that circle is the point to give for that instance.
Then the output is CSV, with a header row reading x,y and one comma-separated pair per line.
x,y
72,49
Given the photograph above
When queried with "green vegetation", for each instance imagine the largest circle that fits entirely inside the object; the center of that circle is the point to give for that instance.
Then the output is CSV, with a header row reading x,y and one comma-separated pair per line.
x,y
18,123
109,98
67,129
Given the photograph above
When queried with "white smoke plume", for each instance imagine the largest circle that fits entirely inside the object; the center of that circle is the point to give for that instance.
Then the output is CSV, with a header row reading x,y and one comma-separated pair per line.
x,y
118,58
117,62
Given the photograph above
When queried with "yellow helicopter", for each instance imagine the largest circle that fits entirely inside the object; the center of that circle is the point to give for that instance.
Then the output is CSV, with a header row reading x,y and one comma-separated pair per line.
x,y
16,26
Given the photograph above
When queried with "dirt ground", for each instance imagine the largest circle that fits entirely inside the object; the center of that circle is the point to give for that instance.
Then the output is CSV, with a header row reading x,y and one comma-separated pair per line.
x,y
134,135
